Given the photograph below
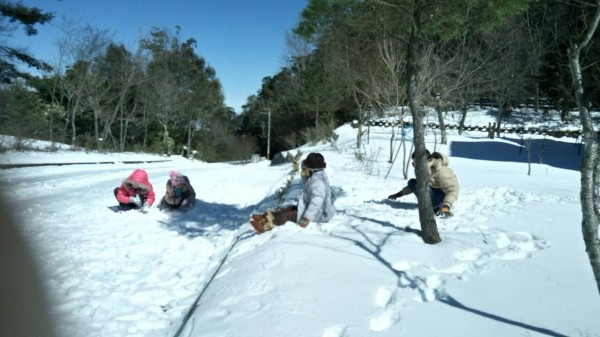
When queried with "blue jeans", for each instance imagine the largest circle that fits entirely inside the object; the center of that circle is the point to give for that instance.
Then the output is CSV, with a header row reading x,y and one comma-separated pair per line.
x,y
437,195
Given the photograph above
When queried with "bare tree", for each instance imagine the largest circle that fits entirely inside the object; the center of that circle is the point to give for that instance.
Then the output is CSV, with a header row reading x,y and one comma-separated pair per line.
x,y
123,73
346,54
79,47
387,93
415,50
418,27
510,79
458,72
590,164
312,88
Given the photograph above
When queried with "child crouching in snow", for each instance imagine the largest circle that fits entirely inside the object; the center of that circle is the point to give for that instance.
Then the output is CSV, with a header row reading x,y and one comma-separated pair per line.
x,y
315,204
179,192
443,184
135,192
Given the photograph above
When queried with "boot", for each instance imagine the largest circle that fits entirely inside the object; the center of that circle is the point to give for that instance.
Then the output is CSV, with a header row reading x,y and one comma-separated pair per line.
x,y
257,217
269,223
258,222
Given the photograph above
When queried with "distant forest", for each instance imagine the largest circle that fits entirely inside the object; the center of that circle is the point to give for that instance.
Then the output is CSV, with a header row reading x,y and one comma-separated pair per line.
x,y
346,60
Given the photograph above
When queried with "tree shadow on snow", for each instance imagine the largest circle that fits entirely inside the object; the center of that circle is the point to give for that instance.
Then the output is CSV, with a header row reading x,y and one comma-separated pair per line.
x,y
565,155
451,301
385,224
419,284
395,204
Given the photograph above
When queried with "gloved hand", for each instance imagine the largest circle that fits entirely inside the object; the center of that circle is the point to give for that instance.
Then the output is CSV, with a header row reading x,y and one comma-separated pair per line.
x,y
444,212
303,222
135,200
394,196
145,207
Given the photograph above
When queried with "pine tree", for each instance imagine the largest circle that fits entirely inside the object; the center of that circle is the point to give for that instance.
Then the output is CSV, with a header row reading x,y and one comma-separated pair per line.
x,y
11,16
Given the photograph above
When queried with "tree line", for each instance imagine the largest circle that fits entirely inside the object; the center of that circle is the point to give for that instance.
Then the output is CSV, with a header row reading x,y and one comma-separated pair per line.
x,y
160,98
345,61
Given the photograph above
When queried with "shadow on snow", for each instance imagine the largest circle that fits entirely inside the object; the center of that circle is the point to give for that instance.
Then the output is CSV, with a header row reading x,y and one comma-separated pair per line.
x,y
206,218
404,280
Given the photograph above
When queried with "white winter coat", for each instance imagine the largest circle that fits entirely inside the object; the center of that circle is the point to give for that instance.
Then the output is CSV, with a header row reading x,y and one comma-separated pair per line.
x,y
315,203
443,178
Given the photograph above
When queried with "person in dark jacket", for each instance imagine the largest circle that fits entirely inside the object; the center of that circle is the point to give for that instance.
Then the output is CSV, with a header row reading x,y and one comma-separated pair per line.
x,y
179,192
443,184
315,204
136,192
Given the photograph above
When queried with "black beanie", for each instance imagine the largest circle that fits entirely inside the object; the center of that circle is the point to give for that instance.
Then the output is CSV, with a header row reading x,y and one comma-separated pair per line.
x,y
314,161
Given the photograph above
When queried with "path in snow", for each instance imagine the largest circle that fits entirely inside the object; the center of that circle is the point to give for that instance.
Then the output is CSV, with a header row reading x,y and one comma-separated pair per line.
x,y
93,257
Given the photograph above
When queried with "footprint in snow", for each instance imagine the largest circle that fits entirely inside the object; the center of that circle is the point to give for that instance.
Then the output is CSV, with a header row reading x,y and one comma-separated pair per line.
x,y
384,320
385,298
335,331
518,246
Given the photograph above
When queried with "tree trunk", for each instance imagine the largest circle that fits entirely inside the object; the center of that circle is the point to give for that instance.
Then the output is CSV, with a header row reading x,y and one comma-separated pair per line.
x,y
360,122
429,229
440,115
463,118
392,138
590,164
189,140
73,115
166,139
96,127
564,112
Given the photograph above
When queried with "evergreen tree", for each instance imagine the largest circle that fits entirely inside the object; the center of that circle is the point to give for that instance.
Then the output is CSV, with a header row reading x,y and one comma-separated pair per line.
x,y
11,16
421,27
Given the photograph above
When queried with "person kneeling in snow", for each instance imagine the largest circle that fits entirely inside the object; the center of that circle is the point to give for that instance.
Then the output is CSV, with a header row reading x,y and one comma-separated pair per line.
x,y
443,184
179,192
315,204
135,192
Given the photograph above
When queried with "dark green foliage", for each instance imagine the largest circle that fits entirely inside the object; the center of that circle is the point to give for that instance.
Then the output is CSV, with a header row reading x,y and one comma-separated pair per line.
x,y
12,15
22,113
562,22
167,101
165,98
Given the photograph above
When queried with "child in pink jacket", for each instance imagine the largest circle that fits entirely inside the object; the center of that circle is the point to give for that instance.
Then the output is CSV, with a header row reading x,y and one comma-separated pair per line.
x,y
136,192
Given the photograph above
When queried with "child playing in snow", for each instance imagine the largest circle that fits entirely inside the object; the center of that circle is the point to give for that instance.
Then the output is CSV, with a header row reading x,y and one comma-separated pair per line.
x,y
135,192
179,192
315,204
443,184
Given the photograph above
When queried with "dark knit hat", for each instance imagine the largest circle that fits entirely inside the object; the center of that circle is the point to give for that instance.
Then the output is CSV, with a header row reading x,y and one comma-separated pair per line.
x,y
314,161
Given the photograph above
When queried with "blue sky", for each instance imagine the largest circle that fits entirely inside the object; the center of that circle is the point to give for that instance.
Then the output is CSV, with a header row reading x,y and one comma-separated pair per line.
x,y
243,40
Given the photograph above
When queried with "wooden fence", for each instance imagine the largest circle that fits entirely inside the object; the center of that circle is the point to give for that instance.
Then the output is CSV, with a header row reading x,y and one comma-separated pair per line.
x,y
490,128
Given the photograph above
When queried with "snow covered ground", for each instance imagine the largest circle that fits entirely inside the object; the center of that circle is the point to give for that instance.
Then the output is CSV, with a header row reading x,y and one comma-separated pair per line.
x,y
511,262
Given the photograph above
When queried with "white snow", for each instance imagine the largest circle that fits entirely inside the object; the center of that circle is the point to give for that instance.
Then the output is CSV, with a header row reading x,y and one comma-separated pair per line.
x,y
512,261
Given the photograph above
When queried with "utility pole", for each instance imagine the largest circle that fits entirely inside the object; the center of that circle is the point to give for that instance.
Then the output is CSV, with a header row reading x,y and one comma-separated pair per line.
x,y
268,133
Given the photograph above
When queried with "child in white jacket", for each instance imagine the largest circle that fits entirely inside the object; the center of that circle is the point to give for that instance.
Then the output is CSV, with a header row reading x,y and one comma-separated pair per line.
x,y
315,204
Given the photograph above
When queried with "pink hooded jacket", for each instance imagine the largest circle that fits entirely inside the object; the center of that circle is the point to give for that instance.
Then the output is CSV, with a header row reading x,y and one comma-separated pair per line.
x,y
138,178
